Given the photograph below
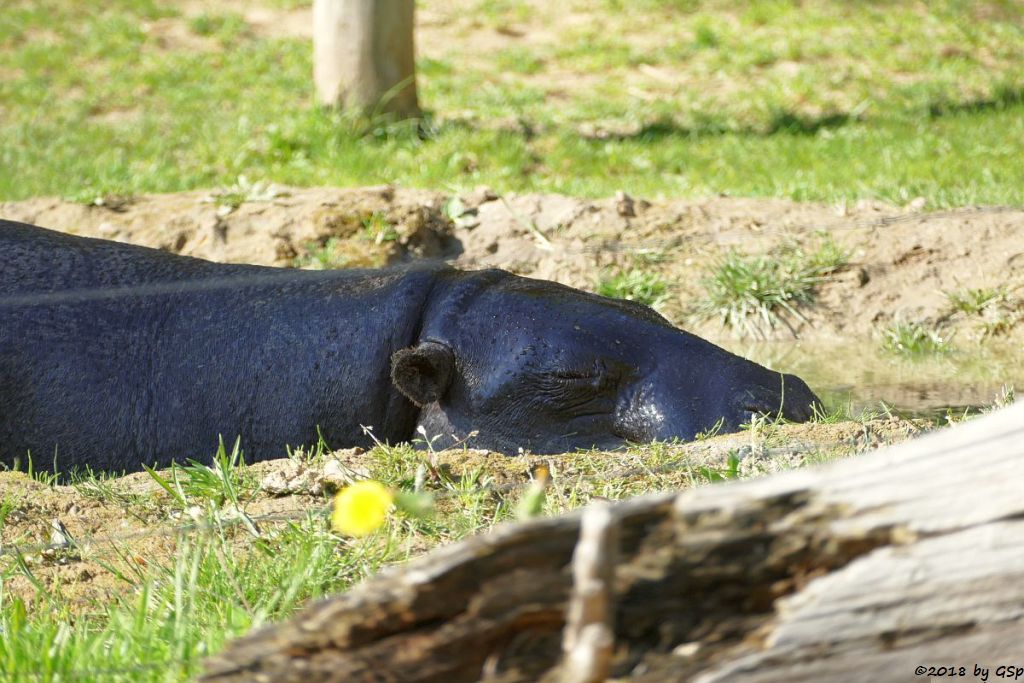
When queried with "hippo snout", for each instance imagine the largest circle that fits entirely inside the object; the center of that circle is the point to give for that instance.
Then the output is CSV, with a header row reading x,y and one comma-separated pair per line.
x,y
800,404
789,397
664,414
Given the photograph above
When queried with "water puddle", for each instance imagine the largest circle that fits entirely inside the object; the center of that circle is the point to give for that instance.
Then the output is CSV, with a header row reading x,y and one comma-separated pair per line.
x,y
862,376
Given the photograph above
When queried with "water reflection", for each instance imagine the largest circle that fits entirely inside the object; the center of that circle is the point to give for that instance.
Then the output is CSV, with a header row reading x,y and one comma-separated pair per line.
x,y
863,377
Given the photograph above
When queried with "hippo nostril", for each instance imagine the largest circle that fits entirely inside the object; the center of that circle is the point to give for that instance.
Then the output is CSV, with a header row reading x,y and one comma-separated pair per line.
x,y
752,417
793,401
762,410
629,431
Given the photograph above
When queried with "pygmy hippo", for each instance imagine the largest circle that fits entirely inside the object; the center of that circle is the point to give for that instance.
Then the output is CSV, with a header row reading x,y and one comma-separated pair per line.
x,y
113,356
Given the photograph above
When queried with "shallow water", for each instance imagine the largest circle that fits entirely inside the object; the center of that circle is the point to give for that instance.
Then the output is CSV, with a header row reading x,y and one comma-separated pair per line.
x,y
865,377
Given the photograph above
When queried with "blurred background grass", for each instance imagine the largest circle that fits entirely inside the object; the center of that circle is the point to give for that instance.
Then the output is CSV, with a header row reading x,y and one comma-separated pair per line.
x,y
807,100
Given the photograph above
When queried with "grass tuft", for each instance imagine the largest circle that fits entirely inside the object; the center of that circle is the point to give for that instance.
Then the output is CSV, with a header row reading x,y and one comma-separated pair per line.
x,y
754,294
974,301
327,256
914,340
635,285
377,229
997,311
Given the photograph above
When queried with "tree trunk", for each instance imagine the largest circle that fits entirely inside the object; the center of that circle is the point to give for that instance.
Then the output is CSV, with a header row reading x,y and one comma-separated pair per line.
x,y
883,567
363,55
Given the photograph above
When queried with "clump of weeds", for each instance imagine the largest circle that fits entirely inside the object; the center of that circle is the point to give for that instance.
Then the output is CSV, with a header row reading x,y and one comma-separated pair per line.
x,y
327,256
914,340
646,288
997,310
754,294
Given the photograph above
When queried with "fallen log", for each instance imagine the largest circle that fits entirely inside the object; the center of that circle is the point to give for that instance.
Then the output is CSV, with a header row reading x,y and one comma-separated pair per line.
x,y
885,567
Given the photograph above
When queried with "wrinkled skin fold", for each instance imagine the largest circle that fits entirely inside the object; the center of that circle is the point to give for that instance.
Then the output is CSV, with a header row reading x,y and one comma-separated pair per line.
x,y
113,356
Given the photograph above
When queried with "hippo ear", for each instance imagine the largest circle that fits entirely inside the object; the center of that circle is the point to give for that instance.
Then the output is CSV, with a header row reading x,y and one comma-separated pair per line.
x,y
423,372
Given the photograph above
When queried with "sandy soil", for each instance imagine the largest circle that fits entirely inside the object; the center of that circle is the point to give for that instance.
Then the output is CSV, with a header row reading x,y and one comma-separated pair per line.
x,y
902,261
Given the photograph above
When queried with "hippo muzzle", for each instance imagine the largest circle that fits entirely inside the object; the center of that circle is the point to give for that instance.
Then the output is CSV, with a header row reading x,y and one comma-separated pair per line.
x,y
565,370
722,396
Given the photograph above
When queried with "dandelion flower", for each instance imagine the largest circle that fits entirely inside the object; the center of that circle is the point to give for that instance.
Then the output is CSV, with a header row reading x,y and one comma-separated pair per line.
x,y
361,508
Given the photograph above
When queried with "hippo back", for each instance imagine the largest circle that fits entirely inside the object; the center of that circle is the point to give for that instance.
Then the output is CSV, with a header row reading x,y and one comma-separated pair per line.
x,y
36,260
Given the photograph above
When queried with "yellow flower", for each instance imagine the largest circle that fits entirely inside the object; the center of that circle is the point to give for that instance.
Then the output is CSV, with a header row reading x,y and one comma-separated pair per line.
x,y
361,508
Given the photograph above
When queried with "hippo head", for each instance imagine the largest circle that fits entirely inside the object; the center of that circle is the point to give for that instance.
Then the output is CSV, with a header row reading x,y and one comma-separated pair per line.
x,y
536,365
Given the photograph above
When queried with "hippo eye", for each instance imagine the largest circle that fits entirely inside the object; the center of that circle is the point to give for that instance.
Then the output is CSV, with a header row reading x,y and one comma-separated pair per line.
x,y
576,375
577,392
595,377
592,373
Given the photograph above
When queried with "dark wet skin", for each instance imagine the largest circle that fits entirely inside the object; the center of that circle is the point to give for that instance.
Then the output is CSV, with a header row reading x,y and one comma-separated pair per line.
x,y
569,369
113,356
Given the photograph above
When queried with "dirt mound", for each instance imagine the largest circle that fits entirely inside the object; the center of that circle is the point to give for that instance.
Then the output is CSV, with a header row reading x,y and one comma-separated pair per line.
x,y
259,224
902,263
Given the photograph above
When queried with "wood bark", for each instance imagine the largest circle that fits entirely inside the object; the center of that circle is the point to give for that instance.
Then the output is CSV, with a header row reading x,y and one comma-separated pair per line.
x,y
861,571
364,55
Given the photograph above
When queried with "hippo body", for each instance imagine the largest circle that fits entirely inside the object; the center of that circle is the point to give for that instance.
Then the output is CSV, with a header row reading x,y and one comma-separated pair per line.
x,y
113,356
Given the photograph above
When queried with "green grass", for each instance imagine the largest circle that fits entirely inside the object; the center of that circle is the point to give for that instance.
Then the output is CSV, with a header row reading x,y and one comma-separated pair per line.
x,y
826,101
218,483
974,301
518,60
228,28
326,257
753,294
180,608
634,285
339,253
996,310
377,229
230,198
221,582
914,340
226,577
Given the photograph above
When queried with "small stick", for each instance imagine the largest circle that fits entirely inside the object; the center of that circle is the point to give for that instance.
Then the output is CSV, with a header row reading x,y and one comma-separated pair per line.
x,y
542,240
588,638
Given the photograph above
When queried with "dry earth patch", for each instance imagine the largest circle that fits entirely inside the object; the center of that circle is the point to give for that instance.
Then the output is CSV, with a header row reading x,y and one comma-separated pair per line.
x,y
902,261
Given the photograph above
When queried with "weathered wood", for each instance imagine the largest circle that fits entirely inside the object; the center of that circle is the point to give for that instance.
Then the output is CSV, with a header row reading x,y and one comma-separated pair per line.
x,y
860,571
588,637
364,55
